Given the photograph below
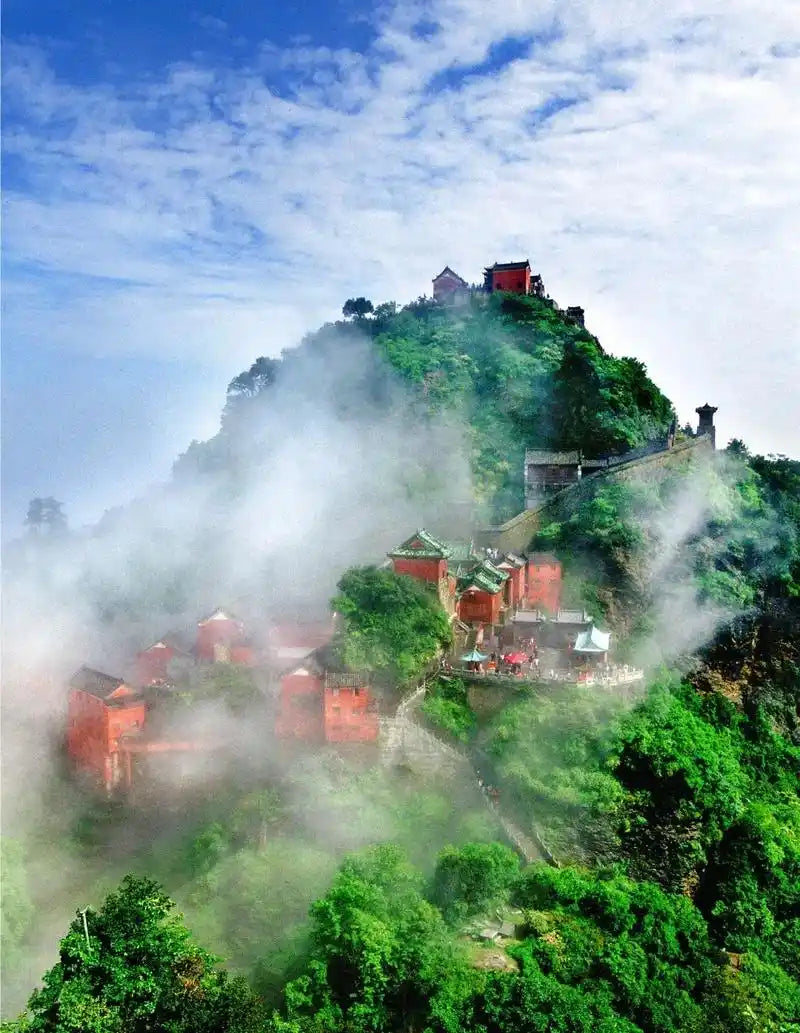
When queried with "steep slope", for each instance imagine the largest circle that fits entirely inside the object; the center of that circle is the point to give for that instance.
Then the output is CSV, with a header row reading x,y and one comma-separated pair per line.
x,y
515,369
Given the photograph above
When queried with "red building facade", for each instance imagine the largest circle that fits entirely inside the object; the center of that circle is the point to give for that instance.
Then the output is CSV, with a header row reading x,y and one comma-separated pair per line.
x,y
300,709
514,277
516,568
350,709
422,556
481,596
152,664
315,705
544,582
219,637
101,710
449,287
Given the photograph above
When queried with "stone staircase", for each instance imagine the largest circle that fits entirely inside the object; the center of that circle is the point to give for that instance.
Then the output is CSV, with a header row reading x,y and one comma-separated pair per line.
x,y
404,741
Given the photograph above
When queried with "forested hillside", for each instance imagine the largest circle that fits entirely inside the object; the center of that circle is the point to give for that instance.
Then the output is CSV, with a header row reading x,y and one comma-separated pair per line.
x,y
344,897
514,369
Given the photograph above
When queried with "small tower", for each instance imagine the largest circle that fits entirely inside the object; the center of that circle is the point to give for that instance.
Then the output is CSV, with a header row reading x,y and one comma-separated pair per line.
x,y
706,422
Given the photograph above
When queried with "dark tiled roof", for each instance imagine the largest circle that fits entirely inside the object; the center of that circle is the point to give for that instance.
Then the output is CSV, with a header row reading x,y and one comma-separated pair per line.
x,y
314,661
541,559
543,457
447,270
511,559
100,685
501,267
495,573
180,641
461,552
96,683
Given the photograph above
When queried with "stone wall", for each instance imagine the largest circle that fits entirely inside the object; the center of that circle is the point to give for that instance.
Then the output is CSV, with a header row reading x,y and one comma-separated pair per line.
x,y
404,742
516,534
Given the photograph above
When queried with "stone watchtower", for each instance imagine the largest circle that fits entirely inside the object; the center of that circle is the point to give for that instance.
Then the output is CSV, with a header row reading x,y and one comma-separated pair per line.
x,y
706,422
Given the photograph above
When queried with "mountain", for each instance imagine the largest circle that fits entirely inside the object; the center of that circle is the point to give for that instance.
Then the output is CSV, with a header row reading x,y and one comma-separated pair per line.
x,y
358,898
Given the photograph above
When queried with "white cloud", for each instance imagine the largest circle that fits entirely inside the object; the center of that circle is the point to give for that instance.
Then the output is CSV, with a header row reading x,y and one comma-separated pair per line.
x,y
239,207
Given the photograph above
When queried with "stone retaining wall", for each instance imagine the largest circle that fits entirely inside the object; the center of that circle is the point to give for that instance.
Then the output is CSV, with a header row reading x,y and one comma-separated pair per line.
x,y
516,534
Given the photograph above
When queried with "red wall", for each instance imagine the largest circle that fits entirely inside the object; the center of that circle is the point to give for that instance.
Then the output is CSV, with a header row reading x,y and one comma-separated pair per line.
x,y
517,281
351,715
223,633
152,663
516,583
544,586
479,606
243,654
300,709
422,570
93,732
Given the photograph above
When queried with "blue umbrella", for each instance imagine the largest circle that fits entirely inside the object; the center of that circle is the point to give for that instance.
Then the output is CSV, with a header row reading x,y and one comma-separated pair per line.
x,y
474,657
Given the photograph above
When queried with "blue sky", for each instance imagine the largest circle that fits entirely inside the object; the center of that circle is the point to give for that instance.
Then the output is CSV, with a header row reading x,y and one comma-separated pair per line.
x,y
189,187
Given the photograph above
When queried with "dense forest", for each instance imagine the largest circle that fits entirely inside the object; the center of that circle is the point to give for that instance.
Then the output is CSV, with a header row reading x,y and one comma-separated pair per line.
x,y
512,370
324,894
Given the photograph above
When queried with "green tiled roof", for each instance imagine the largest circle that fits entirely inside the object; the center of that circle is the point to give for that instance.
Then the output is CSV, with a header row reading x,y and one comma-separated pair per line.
x,y
495,573
428,547
481,580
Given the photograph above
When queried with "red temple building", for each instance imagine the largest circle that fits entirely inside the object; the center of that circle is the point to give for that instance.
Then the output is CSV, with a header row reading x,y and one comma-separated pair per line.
x,y
515,567
480,597
152,664
316,705
513,277
300,694
449,288
544,582
426,558
422,557
221,639
350,709
101,711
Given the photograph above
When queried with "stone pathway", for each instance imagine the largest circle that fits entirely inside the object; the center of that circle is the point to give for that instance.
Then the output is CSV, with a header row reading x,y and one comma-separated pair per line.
x,y
530,849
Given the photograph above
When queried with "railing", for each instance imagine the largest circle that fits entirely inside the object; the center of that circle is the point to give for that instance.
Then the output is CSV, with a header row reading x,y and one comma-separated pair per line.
x,y
619,677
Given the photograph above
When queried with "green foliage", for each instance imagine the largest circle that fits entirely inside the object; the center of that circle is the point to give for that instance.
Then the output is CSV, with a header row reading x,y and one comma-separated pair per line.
x,y
551,754
16,908
138,971
470,878
46,516
446,707
643,951
231,684
380,952
357,308
685,787
394,626
513,367
599,952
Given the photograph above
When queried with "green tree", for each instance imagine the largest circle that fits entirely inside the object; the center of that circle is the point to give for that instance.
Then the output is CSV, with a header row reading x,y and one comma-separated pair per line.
x,y
685,788
393,625
46,516
137,971
470,878
357,308
380,953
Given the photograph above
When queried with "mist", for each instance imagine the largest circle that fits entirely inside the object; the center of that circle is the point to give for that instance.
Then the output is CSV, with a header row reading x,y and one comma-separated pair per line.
x,y
329,467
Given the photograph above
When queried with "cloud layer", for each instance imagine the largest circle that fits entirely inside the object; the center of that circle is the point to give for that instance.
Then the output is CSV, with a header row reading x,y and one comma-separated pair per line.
x,y
641,155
